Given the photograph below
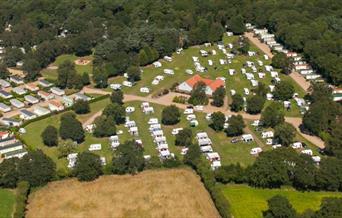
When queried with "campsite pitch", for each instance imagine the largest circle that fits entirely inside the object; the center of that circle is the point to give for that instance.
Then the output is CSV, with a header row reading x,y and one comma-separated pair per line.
x,y
155,193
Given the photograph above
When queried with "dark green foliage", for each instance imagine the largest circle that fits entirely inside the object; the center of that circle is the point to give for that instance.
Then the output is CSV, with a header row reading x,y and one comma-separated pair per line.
x,y
36,168
236,126
128,158
147,55
88,166
81,107
68,77
330,207
172,162
217,121
117,97
66,147
115,111
85,79
71,128
329,176
237,103
255,104
8,173
184,137
198,95
279,207
32,68
230,173
4,73
104,126
237,24
50,136
100,78
280,61
13,55
261,90
283,91
284,133
273,115
133,73
218,97
23,190
170,115
193,155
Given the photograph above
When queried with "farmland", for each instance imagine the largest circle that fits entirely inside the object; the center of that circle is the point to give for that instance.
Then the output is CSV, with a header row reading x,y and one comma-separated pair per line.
x,y
250,202
7,201
158,193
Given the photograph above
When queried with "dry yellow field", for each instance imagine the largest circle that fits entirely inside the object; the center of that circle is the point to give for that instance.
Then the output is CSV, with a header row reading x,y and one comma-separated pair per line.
x,y
174,193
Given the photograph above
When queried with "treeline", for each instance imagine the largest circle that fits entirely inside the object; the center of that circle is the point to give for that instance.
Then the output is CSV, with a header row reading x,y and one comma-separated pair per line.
x,y
284,166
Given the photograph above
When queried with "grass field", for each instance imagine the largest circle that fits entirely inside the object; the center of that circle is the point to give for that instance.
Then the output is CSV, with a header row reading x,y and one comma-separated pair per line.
x,y
184,61
250,202
7,201
51,74
158,193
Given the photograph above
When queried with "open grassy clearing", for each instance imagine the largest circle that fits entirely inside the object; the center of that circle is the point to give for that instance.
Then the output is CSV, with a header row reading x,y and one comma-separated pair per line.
x,y
157,193
230,153
51,74
184,61
249,202
7,201
298,138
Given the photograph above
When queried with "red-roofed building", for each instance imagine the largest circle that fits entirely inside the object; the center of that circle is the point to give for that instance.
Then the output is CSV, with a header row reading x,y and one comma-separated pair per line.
x,y
189,84
4,135
55,105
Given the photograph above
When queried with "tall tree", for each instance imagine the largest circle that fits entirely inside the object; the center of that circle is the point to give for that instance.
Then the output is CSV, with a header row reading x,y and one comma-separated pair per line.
x,y
218,97
88,166
50,136
273,115
71,128
279,207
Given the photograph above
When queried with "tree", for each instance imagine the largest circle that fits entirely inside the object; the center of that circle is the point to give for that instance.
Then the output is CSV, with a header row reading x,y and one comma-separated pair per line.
x,y
273,115
235,126
100,78
13,55
284,133
85,79
115,111
237,25
66,147
230,173
281,61
198,95
143,59
32,69
329,176
261,90
170,115
128,158
279,207
36,168
8,173
71,128
283,91
66,73
4,73
88,166
133,73
50,136
104,126
334,145
184,137
330,207
193,155
217,121
81,107
218,97
255,104
117,97
237,103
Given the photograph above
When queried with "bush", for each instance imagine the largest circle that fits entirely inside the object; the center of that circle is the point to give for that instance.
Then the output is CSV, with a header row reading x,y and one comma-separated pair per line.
x,y
170,115
180,99
50,136
81,107
184,137
255,104
23,189
88,167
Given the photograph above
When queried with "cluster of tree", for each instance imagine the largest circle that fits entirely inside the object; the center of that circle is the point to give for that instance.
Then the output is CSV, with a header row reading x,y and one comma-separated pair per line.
x,y
287,168
198,95
324,118
36,168
219,96
81,107
71,128
281,61
235,123
170,115
69,78
279,206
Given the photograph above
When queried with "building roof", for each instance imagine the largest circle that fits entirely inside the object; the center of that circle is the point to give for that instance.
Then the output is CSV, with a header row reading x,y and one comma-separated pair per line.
x,y
4,93
213,84
12,153
16,144
27,113
56,103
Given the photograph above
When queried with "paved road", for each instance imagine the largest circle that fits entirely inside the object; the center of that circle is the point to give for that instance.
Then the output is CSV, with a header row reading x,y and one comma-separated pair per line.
x,y
299,79
167,100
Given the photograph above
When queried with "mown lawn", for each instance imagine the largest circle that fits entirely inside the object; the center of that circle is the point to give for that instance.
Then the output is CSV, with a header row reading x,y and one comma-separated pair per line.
x,y
7,201
230,153
184,61
51,74
249,202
